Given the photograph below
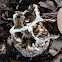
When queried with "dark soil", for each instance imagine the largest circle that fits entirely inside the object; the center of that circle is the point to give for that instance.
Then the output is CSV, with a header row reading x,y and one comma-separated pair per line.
x,y
7,9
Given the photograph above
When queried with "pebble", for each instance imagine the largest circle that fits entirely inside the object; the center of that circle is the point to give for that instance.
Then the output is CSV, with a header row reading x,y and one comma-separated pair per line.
x,y
59,20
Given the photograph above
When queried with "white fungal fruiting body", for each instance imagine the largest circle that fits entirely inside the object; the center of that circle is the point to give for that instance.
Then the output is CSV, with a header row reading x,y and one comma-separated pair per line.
x,y
32,38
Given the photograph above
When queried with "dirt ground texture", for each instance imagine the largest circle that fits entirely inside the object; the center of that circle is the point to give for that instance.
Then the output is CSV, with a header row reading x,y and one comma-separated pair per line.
x,y
48,9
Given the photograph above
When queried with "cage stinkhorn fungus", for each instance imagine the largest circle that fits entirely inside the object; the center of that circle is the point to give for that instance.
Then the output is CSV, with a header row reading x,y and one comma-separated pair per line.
x,y
29,35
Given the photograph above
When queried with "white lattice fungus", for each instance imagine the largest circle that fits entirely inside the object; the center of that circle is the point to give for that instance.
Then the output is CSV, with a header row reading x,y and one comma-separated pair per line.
x,y
29,35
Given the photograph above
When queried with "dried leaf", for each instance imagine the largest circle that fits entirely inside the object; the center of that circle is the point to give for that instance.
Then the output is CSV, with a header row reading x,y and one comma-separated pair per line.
x,y
57,1
57,44
57,59
52,14
53,52
43,4
60,4
49,4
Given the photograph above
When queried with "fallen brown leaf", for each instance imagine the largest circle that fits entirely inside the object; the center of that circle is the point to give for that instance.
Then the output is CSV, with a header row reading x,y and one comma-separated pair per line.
x,y
43,4
48,4
57,44
57,59
53,52
57,1
51,5
60,4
